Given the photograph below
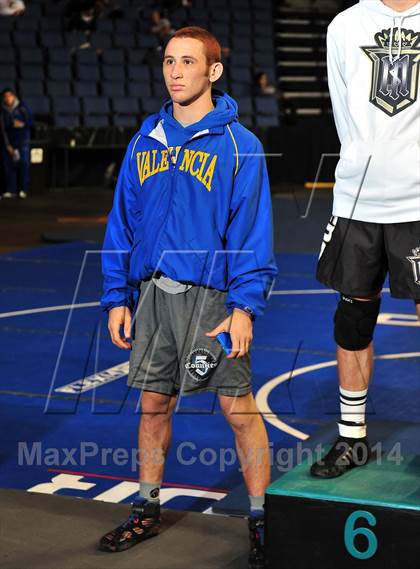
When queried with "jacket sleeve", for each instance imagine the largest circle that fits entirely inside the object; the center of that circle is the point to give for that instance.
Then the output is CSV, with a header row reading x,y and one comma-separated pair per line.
x,y
118,241
249,239
336,82
3,130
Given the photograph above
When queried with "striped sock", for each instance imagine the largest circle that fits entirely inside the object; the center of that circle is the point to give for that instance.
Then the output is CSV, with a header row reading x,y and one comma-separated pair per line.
x,y
353,408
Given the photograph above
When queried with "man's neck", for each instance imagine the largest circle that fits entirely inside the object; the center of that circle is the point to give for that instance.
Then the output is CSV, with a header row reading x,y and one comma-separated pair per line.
x,y
195,111
400,5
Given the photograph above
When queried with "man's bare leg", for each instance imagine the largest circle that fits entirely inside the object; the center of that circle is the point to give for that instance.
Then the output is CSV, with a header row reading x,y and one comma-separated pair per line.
x,y
251,440
254,455
355,369
155,431
154,440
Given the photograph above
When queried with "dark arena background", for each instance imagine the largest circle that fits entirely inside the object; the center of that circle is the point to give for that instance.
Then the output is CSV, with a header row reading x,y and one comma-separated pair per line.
x,y
90,72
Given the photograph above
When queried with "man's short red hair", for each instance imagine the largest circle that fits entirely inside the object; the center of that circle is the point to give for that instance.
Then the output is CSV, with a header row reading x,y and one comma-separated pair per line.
x,y
211,45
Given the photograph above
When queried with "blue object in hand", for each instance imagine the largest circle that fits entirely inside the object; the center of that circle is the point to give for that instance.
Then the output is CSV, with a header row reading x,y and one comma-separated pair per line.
x,y
225,341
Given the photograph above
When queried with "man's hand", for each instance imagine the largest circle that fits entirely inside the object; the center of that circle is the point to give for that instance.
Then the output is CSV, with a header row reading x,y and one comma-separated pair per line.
x,y
239,325
117,317
18,124
10,150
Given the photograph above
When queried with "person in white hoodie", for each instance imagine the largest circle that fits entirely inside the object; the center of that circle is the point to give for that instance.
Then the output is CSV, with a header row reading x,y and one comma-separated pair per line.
x,y
373,54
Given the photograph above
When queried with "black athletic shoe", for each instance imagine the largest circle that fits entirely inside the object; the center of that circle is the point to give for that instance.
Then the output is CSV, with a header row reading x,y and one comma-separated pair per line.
x,y
344,455
143,522
256,540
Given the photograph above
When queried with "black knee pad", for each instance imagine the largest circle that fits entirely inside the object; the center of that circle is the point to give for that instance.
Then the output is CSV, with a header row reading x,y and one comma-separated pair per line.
x,y
355,321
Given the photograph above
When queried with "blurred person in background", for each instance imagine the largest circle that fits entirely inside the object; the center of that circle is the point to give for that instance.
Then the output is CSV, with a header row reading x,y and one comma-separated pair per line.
x,y
165,32
80,15
12,8
262,85
15,125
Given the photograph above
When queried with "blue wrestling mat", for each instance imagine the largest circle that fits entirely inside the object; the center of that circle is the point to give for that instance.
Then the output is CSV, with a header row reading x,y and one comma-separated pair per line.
x,y
66,436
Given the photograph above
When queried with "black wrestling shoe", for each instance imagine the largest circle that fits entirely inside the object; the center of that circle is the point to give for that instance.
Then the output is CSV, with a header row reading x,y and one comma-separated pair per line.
x,y
256,541
344,455
143,522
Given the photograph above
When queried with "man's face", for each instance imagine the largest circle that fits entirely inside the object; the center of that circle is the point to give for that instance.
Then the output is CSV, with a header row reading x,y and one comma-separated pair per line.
x,y
185,70
264,80
8,98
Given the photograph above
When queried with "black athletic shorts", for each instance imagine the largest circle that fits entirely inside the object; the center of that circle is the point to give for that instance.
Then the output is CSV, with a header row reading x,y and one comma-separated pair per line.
x,y
356,256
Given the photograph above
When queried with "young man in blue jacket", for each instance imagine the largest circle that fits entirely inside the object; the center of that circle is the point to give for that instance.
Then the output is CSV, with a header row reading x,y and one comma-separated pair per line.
x,y
15,129
191,231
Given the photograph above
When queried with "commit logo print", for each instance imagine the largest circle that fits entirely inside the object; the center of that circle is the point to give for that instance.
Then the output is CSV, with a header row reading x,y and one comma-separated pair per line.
x,y
199,363
415,261
394,84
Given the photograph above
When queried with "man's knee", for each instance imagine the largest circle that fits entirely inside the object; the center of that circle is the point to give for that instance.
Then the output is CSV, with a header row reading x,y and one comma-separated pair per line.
x,y
355,321
157,405
239,411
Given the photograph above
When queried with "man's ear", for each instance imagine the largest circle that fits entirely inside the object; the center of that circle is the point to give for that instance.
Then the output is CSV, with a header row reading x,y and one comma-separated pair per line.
x,y
216,71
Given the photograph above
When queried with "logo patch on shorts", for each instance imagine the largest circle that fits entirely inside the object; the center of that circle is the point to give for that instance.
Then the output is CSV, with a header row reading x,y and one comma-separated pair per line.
x,y
200,362
415,261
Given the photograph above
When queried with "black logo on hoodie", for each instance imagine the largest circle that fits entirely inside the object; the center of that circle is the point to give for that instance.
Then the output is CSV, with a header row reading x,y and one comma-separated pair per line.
x,y
395,70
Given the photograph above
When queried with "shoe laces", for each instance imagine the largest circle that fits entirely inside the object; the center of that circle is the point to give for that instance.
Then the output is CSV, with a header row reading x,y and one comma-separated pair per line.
x,y
135,517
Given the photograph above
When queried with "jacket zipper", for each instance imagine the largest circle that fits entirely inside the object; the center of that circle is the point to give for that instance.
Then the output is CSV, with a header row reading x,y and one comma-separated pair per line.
x,y
173,177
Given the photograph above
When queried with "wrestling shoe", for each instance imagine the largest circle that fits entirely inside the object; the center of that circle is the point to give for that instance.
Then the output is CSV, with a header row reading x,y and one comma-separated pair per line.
x,y
143,522
344,455
256,541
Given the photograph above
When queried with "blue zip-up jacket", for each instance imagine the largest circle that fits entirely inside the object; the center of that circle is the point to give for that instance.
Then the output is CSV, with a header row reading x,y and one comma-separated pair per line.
x,y
198,213
16,137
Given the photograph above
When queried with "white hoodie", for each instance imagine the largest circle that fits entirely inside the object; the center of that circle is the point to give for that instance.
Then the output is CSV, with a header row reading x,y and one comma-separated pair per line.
x,y
375,92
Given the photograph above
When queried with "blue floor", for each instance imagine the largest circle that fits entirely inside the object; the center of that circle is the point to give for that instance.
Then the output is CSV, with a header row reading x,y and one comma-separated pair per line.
x,y
46,427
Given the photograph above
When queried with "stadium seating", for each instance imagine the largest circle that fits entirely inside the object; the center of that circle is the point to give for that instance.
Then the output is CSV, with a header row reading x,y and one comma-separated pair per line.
x,y
30,88
86,57
113,75
40,106
125,105
30,71
7,72
142,90
59,88
29,56
112,89
59,72
60,56
85,88
113,57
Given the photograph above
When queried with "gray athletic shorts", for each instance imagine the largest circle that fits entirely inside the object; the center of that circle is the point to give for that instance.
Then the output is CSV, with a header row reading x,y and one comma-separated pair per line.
x,y
171,354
